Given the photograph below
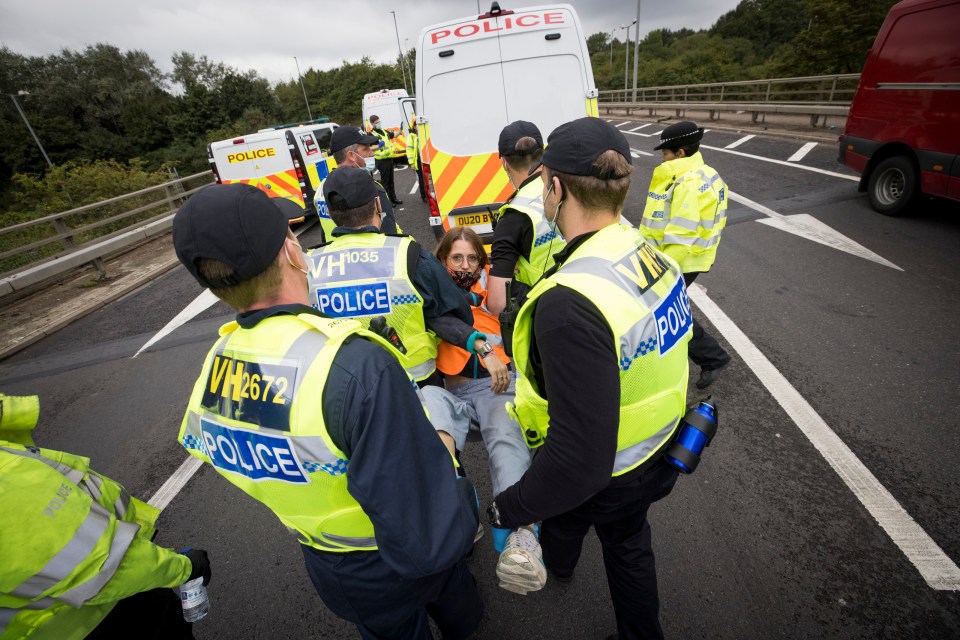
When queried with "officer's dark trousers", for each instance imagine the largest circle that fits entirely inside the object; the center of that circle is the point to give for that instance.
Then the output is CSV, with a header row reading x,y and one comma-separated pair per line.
x,y
361,588
619,516
152,615
703,348
385,167
423,186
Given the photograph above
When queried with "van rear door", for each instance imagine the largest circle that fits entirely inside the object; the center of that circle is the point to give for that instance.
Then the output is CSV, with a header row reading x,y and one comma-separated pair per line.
x,y
261,160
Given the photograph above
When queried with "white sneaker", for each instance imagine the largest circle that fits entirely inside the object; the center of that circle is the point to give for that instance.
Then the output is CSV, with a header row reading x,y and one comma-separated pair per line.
x,y
520,567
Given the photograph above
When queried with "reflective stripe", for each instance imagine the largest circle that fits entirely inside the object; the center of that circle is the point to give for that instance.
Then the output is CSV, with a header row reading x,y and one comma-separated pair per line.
x,y
693,242
79,595
352,542
121,504
686,223
73,475
655,223
641,451
422,370
93,485
69,557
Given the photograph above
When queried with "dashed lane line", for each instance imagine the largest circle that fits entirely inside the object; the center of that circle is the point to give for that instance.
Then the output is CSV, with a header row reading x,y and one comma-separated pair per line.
x,y
801,152
936,568
640,127
734,145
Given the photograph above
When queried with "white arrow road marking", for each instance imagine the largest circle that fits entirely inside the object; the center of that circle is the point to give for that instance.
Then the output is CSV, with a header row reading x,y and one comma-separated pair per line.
x,y
806,226
645,135
801,152
200,304
636,153
936,568
734,145
640,127
416,184
620,124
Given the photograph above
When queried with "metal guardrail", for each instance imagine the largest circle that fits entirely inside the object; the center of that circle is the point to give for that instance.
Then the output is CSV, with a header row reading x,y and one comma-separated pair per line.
x,y
815,96
36,259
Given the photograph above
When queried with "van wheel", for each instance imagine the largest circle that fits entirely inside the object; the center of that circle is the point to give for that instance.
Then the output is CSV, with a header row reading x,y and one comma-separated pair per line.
x,y
894,186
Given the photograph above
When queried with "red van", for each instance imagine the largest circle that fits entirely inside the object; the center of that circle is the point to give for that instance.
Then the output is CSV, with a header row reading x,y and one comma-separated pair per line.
x,y
903,131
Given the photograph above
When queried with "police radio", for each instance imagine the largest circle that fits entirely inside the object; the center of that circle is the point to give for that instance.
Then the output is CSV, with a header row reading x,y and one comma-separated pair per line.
x,y
508,317
379,326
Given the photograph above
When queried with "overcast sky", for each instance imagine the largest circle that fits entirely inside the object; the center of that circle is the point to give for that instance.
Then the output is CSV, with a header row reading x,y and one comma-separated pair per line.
x,y
265,35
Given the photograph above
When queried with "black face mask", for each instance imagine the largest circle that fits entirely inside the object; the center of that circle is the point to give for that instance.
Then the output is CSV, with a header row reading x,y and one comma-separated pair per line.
x,y
464,279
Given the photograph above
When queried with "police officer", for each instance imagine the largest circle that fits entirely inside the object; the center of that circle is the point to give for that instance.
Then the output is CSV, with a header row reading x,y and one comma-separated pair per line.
x,y
364,274
352,148
413,157
315,418
76,560
685,214
595,363
384,157
523,243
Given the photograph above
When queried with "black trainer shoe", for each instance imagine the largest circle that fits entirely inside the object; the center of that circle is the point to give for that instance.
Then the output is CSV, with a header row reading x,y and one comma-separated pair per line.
x,y
709,376
397,201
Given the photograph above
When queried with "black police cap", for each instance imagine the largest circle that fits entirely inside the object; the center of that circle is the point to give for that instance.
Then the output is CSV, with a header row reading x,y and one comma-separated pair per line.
x,y
513,132
575,146
348,188
237,224
679,135
344,137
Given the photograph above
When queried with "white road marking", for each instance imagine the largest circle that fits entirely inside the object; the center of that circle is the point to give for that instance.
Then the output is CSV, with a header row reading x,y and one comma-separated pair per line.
x,y
782,162
416,184
640,127
175,483
645,135
734,145
200,304
806,226
636,153
620,124
801,152
402,167
936,568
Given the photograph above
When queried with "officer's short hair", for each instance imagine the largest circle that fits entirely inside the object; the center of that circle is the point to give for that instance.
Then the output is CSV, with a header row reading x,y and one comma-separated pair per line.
x,y
340,155
356,217
247,293
596,194
688,149
523,162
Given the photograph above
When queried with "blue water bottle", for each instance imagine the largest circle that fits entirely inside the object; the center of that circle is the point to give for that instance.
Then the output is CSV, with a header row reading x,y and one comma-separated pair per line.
x,y
697,429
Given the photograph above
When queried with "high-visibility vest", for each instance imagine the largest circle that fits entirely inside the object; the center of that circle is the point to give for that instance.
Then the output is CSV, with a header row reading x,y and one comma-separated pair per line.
x,y
256,415
385,151
364,275
72,544
529,201
686,212
641,294
413,150
451,358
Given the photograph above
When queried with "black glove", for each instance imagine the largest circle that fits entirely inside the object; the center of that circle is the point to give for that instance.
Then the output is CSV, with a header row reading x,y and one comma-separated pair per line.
x,y
201,565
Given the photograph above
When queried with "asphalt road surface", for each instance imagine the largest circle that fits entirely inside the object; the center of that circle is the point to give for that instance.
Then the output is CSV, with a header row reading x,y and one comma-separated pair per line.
x,y
825,508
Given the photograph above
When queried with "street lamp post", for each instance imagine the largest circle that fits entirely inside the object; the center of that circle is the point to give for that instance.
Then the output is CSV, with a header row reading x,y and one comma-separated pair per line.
x,y
403,66
636,52
27,122
302,88
626,55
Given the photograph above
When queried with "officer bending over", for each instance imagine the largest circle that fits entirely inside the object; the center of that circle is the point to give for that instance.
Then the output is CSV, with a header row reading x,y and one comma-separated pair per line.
x,y
601,382
330,433
76,560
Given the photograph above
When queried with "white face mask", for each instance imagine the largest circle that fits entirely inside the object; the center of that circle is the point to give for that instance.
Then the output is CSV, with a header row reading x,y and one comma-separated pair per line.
x,y
370,164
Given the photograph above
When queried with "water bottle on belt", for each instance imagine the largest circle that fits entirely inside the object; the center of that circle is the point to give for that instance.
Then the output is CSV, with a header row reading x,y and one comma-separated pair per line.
x,y
697,429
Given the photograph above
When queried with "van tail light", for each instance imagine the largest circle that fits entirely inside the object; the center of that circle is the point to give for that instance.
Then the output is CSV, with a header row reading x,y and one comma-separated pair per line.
x,y
299,170
216,174
431,192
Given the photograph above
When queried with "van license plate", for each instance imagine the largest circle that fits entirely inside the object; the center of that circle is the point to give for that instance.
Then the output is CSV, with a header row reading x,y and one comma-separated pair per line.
x,y
471,219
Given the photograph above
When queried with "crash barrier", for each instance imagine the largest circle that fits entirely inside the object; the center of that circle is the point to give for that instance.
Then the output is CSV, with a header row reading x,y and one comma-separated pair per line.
x,y
48,247
816,96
